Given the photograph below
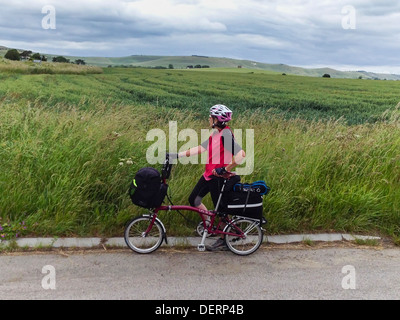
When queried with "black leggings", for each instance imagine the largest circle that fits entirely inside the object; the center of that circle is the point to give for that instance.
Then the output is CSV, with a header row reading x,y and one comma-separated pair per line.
x,y
212,186
203,187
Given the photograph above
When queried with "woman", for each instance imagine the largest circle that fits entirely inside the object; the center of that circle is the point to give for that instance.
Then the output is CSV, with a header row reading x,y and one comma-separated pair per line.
x,y
224,154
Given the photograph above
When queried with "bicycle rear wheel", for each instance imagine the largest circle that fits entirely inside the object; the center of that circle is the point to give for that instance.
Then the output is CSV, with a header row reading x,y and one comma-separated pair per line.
x,y
138,240
252,240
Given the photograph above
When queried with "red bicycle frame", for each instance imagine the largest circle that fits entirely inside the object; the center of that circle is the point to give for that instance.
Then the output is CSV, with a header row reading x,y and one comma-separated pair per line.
x,y
208,228
203,214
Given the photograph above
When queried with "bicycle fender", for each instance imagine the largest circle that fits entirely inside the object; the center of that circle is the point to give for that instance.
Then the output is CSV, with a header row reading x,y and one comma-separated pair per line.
x,y
162,226
164,231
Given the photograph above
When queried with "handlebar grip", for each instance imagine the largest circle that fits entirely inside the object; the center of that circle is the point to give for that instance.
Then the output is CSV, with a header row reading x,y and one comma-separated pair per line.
x,y
171,156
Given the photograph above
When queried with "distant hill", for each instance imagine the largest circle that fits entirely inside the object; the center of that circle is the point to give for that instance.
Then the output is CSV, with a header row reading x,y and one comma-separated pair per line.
x,y
182,62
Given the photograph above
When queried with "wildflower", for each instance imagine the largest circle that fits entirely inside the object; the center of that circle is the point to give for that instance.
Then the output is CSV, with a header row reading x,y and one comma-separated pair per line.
x,y
129,161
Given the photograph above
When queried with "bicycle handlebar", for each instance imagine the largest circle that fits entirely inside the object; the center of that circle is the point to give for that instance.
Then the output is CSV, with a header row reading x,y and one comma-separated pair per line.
x,y
167,167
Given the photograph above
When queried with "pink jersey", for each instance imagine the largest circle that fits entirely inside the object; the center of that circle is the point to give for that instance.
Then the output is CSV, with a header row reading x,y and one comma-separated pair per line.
x,y
218,156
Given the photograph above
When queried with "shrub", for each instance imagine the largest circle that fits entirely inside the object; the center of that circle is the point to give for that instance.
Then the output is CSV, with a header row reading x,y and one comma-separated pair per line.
x,y
60,59
12,54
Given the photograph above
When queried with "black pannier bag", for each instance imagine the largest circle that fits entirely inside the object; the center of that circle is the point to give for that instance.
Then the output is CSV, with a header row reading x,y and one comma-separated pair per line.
x,y
245,204
246,200
146,189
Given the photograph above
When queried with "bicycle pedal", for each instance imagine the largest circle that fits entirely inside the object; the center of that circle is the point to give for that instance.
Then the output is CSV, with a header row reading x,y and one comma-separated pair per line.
x,y
201,247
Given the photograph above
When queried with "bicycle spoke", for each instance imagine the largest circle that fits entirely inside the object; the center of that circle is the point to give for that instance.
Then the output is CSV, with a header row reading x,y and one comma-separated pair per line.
x,y
143,235
250,228
252,236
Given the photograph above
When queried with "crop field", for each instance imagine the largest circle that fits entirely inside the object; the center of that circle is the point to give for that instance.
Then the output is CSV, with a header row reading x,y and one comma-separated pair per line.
x,y
70,144
354,101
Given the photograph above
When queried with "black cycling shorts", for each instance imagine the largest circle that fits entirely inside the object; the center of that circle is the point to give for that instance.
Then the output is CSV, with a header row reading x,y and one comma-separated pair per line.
x,y
213,186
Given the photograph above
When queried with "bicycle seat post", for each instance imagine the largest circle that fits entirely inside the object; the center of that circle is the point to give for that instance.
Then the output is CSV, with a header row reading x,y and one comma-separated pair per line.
x,y
220,196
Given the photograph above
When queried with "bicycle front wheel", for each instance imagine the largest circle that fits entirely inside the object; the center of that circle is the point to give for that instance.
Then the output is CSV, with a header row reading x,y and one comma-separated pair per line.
x,y
141,237
253,236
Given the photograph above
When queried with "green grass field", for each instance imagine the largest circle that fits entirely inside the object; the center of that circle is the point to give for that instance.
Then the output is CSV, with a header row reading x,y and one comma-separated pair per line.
x,y
329,148
355,101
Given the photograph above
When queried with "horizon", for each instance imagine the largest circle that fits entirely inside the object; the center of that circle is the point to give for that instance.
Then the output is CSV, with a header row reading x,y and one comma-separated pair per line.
x,y
337,68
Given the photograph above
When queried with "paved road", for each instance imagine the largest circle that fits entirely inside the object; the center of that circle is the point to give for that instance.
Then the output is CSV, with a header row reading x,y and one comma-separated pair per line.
x,y
270,273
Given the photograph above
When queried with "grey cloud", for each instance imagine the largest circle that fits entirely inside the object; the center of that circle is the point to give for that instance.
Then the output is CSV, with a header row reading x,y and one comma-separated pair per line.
x,y
377,8
302,32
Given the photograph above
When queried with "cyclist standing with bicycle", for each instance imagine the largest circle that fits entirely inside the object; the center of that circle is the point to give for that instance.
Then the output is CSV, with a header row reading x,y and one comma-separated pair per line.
x,y
224,154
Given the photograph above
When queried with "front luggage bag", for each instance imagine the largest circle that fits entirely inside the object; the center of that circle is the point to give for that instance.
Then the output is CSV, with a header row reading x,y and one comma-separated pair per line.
x,y
146,189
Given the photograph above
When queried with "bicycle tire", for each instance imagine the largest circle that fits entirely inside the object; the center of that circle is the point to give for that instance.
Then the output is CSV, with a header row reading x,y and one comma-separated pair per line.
x,y
136,239
252,241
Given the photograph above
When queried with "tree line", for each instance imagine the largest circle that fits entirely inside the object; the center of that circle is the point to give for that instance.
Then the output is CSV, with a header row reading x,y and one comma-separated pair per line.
x,y
15,55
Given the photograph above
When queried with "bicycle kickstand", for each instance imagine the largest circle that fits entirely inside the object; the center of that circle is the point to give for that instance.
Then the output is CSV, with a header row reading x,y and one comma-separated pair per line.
x,y
201,246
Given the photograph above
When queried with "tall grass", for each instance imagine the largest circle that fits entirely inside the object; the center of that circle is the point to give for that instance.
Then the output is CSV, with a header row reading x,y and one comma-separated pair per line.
x,y
63,170
29,67
329,176
60,168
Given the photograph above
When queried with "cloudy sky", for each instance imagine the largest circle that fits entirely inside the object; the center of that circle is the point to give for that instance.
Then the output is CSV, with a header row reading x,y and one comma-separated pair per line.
x,y
344,34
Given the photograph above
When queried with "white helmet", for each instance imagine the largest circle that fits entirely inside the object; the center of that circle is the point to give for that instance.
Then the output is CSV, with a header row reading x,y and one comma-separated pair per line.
x,y
222,113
